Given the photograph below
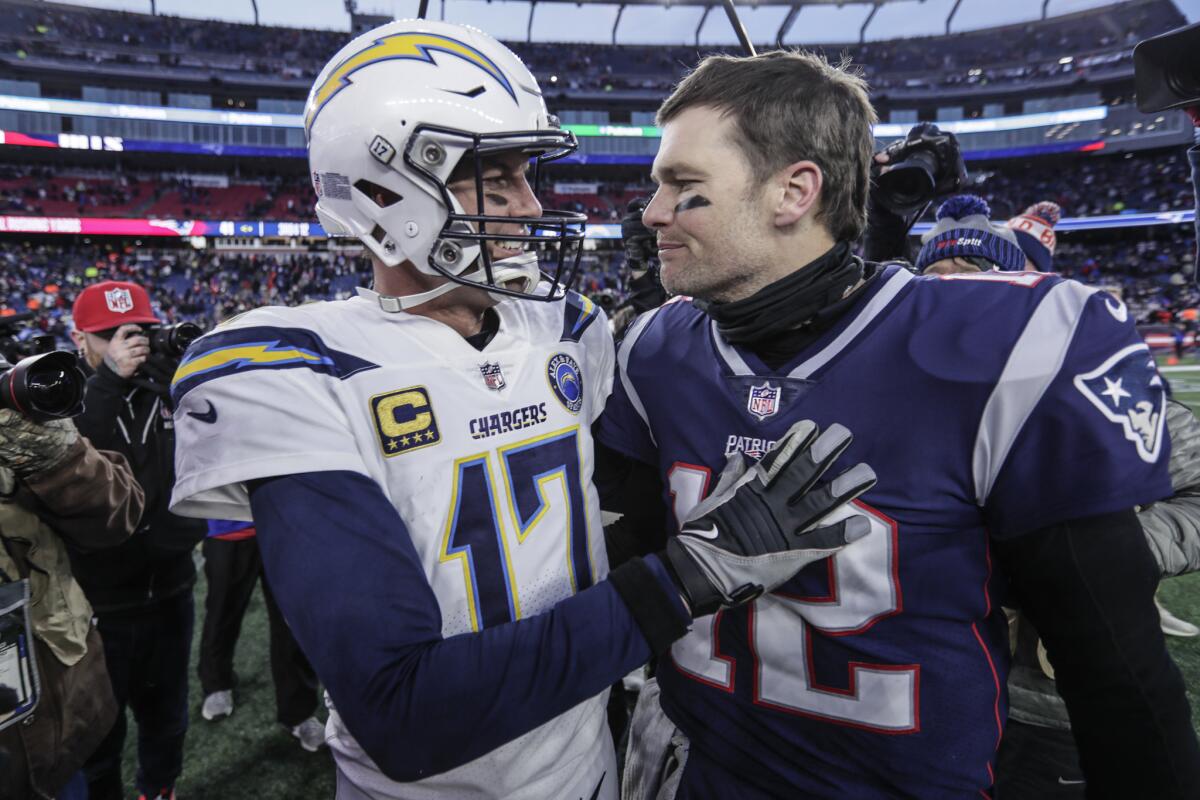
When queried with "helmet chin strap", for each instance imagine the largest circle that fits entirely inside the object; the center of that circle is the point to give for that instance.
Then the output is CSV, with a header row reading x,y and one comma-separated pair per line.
x,y
523,267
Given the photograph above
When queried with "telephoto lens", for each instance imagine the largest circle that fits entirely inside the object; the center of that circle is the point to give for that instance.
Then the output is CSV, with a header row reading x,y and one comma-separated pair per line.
x,y
173,340
43,387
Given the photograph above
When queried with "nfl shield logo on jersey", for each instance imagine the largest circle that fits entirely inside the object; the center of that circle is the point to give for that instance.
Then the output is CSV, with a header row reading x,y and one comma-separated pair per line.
x,y
1128,390
764,400
119,301
493,378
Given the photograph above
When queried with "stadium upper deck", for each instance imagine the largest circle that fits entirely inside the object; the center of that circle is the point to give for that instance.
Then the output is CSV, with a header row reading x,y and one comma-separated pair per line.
x,y
45,39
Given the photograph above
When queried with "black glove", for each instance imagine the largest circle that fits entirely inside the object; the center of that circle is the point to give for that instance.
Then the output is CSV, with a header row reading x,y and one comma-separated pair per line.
x,y
155,374
762,522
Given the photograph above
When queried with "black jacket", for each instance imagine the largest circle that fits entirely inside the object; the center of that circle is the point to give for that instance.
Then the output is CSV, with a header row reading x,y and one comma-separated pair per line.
x,y
156,562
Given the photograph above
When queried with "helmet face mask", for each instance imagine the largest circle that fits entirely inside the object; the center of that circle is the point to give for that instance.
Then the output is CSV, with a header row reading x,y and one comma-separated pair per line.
x,y
463,234
405,110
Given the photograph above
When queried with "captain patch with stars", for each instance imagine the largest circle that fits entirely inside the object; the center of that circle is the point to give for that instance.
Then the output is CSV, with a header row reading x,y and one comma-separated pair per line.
x,y
566,381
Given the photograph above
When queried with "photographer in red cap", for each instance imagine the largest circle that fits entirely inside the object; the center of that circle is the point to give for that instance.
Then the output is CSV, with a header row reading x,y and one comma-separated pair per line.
x,y
141,590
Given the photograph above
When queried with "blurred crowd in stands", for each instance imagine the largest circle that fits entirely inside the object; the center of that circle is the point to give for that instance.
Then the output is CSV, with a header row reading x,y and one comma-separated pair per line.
x,y
203,286
1149,181
1151,267
1096,40
27,189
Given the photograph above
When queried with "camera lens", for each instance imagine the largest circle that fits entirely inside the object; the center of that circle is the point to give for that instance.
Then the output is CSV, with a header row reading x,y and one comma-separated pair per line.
x,y
44,387
1184,80
909,183
173,340
50,388
184,334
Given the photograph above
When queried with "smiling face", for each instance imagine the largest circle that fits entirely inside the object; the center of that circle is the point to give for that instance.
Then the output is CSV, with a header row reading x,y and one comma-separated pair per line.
x,y
506,193
712,218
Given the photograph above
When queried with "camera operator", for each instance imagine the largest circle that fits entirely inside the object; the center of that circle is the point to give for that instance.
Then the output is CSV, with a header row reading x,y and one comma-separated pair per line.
x,y
142,590
55,489
639,277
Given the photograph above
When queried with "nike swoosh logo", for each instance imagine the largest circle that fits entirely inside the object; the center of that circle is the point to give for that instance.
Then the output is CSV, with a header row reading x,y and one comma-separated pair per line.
x,y
711,533
596,791
1064,782
1120,314
209,416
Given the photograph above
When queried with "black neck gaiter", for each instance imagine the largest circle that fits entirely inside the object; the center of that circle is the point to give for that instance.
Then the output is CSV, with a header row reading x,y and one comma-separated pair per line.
x,y
789,302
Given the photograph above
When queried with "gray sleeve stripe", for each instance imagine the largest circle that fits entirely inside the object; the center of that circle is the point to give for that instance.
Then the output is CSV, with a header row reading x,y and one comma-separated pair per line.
x,y
1032,365
635,331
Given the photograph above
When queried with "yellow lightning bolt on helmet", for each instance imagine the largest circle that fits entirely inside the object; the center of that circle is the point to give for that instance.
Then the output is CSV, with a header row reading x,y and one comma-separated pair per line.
x,y
389,119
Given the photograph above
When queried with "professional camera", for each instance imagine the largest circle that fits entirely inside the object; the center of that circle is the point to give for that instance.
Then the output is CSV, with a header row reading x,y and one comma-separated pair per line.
x,y
36,380
641,248
173,340
1166,70
924,165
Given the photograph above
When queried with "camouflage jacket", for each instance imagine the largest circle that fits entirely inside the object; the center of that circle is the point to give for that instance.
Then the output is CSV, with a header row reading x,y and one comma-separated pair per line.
x,y
92,500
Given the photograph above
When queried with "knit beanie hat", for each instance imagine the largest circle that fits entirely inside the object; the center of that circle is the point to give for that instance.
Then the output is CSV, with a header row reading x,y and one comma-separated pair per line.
x,y
1035,233
963,229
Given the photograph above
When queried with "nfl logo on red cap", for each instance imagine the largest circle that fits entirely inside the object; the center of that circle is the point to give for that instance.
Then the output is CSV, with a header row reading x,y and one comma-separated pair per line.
x,y
119,300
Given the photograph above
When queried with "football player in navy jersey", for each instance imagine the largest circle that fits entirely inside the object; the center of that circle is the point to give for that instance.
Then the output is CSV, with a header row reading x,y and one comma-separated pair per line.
x,y
1014,421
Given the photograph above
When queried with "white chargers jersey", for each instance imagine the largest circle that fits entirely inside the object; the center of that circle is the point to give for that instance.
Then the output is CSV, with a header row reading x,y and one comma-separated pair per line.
x,y
486,455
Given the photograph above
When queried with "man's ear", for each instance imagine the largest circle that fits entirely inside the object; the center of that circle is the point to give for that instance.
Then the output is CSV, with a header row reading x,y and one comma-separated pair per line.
x,y
801,184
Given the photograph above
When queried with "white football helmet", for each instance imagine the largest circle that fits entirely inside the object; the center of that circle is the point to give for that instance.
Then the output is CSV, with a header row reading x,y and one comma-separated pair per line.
x,y
391,116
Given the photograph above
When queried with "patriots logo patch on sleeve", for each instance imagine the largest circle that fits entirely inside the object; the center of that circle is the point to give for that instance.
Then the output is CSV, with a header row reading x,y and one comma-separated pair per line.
x,y
1129,392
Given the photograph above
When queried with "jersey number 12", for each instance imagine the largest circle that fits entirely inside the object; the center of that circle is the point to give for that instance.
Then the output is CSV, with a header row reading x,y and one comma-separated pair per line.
x,y
864,587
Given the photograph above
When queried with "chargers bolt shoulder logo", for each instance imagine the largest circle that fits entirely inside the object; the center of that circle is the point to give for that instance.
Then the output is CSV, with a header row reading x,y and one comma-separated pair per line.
x,y
566,381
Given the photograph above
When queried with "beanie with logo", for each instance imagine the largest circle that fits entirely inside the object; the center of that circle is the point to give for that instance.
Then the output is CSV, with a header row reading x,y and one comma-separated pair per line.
x,y
963,230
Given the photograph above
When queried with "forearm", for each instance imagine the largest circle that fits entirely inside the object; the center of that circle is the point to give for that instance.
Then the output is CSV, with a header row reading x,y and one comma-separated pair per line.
x,y
886,238
344,571
633,490
1173,532
91,497
1088,587
1172,526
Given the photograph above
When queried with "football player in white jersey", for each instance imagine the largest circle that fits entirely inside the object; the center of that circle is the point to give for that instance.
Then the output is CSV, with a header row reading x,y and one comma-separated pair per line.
x,y
418,459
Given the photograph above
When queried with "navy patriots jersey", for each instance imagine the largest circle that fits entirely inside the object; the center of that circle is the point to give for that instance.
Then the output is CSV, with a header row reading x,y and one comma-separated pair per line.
x,y
990,406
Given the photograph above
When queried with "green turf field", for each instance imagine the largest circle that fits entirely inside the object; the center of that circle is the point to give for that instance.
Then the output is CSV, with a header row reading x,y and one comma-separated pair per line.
x,y
249,754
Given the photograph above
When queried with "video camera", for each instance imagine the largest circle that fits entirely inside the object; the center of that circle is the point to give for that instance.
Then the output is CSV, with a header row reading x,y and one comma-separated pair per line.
x,y
1166,70
36,380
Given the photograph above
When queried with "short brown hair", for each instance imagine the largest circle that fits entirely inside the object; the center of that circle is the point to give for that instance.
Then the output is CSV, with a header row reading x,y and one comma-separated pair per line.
x,y
791,106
